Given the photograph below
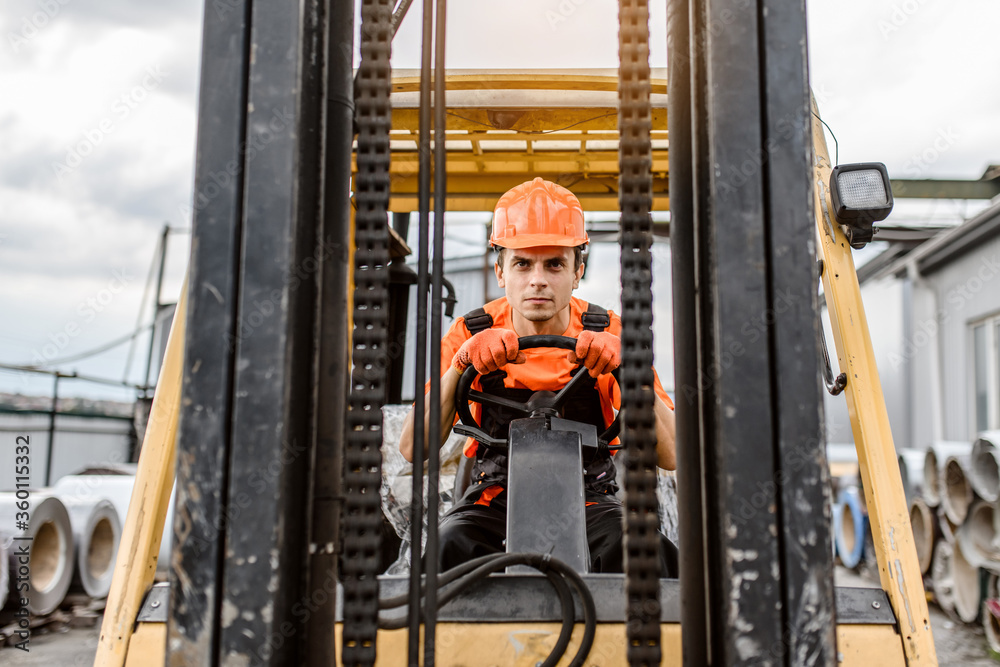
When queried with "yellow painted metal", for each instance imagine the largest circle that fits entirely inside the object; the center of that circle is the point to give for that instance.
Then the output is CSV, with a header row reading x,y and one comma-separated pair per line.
x,y
523,80
527,644
899,571
490,150
480,192
868,645
135,565
148,646
516,644
487,200
459,162
525,120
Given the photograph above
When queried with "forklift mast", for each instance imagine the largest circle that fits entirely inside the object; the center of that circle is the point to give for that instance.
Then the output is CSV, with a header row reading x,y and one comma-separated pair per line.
x,y
269,402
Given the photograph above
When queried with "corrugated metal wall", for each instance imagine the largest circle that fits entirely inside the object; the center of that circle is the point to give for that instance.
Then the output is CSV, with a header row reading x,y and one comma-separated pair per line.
x,y
967,290
921,336
79,442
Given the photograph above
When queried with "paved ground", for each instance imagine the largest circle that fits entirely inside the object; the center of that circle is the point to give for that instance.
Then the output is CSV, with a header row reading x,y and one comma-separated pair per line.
x,y
73,648
958,645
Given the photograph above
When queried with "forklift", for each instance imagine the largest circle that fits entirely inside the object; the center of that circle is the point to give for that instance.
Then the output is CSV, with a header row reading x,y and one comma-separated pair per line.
x,y
268,405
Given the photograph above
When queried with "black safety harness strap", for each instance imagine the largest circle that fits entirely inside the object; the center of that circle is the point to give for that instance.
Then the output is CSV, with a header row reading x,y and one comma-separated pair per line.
x,y
594,318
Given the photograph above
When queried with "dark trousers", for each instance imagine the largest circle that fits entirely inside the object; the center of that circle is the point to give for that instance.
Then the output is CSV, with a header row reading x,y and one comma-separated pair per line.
x,y
469,530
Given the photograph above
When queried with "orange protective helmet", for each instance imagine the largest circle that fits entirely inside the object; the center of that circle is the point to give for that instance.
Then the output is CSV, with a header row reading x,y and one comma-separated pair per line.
x,y
538,213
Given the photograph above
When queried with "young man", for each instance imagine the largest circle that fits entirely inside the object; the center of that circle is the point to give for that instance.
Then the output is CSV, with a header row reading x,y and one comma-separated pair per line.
x,y
539,231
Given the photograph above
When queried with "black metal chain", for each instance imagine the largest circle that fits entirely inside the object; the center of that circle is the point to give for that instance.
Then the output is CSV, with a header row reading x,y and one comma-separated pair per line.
x,y
363,453
635,194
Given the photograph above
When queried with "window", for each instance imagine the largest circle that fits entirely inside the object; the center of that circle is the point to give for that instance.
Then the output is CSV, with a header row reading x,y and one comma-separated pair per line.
x,y
986,374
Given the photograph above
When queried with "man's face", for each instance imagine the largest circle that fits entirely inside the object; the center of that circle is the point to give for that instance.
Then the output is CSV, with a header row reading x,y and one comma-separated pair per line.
x,y
539,281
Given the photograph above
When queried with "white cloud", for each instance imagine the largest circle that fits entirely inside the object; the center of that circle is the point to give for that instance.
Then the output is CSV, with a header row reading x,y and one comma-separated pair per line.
x,y
887,94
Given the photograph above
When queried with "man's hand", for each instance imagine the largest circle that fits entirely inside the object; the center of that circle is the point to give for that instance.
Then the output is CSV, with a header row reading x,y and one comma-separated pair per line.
x,y
600,351
488,350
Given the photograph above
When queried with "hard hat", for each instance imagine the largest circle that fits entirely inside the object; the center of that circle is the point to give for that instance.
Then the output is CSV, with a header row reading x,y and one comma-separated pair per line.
x,y
538,213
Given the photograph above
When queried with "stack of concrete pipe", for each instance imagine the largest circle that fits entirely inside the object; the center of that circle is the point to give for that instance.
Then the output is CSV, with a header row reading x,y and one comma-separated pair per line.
x,y
953,490
48,536
955,529
73,530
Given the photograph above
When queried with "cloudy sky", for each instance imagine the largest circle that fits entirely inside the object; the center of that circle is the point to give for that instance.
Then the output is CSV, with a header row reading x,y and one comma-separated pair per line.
x,y
98,122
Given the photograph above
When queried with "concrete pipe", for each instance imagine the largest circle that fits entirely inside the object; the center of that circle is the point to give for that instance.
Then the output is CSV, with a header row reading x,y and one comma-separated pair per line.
x,y
978,536
956,490
117,489
849,527
984,468
925,532
991,612
5,543
942,578
97,532
911,470
934,460
948,529
966,586
50,560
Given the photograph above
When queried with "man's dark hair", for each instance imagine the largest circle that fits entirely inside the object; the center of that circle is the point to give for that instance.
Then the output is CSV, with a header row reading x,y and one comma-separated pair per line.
x,y
578,256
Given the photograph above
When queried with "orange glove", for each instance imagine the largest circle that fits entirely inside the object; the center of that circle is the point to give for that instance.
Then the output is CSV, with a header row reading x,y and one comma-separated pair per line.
x,y
600,351
488,350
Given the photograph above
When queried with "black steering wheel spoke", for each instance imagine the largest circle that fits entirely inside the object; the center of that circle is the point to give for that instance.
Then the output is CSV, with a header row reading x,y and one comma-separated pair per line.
x,y
560,397
498,401
546,401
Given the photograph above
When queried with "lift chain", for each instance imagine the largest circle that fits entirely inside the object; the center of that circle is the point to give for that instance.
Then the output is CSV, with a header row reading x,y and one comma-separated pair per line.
x,y
642,565
363,449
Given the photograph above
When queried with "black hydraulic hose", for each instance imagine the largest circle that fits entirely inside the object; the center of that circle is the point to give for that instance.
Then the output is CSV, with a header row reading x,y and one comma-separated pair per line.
x,y
568,618
558,583
489,564
443,579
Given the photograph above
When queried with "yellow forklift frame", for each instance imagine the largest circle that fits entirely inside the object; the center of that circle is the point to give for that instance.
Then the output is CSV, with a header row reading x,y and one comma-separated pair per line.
x,y
487,154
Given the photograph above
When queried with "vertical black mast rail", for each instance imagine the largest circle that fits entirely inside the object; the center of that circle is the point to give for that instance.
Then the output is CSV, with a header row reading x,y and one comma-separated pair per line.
x,y
801,471
642,568
363,455
203,439
419,441
694,595
268,491
437,274
332,356
768,566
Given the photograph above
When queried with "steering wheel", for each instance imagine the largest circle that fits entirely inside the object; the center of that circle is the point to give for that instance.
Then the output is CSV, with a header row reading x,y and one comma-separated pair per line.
x,y
540,403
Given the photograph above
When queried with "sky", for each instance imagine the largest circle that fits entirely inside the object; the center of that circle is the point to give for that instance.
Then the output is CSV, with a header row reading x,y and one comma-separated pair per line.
x,y
98,124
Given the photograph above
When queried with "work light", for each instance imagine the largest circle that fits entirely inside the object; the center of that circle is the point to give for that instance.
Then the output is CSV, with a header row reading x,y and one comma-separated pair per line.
x,y
861,195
